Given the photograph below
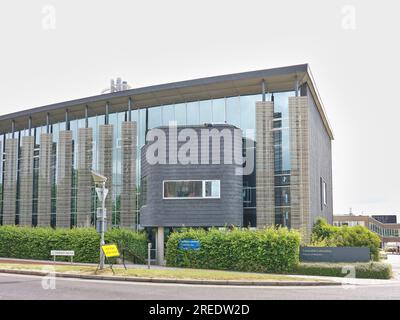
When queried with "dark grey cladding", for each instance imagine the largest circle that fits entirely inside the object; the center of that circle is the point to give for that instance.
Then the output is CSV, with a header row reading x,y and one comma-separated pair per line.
x,y
228,210
128,195
10,181
84,194
320,155
45,180
64,179
26,180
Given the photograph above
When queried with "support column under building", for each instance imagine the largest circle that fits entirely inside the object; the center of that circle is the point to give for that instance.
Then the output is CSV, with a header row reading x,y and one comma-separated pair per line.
x,y
299,179
105,162
26,180
128,195
265,179
160,246
10,181
64,180
45,180
84,194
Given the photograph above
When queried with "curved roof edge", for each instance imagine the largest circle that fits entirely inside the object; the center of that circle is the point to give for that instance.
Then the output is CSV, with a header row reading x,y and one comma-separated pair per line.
x,y
281,78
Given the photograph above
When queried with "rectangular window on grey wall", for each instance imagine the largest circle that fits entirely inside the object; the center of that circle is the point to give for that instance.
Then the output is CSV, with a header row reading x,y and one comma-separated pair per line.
x,y
194,189
324,194
183,189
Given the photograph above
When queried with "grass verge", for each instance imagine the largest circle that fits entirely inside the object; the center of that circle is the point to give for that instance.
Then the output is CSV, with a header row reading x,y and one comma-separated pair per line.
x,y
196,274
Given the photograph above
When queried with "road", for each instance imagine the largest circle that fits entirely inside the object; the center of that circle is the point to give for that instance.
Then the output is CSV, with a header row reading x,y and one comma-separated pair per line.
x,y
30,287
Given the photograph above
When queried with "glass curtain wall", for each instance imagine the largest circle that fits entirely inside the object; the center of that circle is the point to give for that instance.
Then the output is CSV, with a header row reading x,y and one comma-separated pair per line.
x,y
282,158
236,110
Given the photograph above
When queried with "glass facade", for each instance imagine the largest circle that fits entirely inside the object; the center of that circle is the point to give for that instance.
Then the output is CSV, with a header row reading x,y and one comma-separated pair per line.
x,y
282,158
237,110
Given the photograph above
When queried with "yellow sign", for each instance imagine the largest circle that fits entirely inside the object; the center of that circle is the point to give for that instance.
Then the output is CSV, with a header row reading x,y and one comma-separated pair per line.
x,y
110,250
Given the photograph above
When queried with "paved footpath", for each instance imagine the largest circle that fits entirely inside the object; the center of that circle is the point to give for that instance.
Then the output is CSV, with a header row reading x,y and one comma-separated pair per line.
x,y
33,287
394,260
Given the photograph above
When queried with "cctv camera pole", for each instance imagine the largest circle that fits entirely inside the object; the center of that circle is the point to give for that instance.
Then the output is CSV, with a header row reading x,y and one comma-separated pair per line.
x,y
101,215
103,211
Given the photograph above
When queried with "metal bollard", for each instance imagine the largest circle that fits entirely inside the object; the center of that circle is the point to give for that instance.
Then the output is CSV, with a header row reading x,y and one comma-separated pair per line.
x,y
148,254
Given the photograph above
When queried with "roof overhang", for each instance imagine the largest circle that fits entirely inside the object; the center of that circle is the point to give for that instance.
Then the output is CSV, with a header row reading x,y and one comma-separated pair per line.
x,y
277,79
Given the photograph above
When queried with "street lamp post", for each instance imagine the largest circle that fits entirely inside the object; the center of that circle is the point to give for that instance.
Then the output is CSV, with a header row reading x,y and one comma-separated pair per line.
x,y
102,192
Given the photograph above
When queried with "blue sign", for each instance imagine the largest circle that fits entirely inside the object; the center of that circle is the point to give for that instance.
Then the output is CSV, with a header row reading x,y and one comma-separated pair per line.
x,y
189,244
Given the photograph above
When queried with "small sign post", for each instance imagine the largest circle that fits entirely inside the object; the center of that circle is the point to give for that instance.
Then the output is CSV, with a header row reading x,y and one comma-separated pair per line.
x,y
148,255
64,253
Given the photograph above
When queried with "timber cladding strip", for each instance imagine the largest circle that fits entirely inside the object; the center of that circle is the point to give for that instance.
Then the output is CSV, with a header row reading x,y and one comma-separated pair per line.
x,y
129,155
265,164
105,161
45,180
300,178
64,178
10,181
84,194
26,180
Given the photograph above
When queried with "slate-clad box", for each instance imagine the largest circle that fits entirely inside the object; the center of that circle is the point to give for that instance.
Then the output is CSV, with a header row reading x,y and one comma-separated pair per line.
x,y
203,212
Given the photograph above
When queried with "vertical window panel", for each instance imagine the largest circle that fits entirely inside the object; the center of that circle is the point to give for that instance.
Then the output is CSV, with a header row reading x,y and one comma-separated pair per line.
x,y
193,113
218,111
205,112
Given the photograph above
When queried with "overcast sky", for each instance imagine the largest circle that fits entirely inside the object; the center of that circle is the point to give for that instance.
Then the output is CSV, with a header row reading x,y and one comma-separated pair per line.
x,y
52,51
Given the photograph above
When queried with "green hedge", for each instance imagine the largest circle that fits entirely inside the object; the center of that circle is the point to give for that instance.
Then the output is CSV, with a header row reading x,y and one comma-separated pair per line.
x,y
358,236
36,243
371,270
267,250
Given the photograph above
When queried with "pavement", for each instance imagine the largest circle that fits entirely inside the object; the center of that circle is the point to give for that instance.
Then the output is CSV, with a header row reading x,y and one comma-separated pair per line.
x,y
24,287
38,288
295,280
394,260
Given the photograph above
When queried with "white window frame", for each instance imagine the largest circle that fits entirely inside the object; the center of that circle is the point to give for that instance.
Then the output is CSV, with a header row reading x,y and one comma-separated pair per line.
x,y
203,190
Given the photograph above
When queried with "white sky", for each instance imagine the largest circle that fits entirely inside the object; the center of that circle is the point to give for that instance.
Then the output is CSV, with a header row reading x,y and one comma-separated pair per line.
x,y
152,42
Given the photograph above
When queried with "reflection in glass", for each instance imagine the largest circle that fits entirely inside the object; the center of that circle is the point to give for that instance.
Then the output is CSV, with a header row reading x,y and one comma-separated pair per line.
x,y
233,111
154,117
212,189
168,114
205,112
180,114
218,110
183,189
193,113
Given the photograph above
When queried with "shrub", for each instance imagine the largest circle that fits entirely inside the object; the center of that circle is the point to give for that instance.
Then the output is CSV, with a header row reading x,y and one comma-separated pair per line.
x,y
371,270
267,250
357,236
36,243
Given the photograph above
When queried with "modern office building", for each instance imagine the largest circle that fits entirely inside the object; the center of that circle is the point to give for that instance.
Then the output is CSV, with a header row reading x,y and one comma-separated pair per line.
x,y
389,218
386,226
48,153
